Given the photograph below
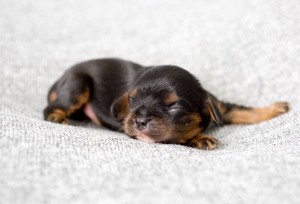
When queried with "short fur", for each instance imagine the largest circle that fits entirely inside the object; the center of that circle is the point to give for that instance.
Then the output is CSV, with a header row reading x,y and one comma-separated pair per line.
x,y
163,104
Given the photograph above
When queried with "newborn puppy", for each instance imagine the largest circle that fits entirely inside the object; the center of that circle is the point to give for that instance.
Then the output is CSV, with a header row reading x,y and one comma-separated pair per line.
x,y
155,104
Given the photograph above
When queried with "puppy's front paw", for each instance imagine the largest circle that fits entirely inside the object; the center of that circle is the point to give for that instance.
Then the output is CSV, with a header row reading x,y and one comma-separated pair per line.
x,y
58,116
203,142
279,108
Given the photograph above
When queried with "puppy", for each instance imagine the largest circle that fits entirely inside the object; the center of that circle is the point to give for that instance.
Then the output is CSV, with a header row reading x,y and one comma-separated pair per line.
x,y
163,104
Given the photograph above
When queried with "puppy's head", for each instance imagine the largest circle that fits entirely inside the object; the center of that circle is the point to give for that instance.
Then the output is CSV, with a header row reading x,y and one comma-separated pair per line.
x,y
165,104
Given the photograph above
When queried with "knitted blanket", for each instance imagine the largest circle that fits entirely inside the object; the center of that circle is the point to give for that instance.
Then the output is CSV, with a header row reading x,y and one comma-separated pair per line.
x,y
245,52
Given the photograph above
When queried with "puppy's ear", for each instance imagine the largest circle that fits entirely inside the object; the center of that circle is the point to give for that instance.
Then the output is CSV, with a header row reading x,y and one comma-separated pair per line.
x,y
214,111
120,107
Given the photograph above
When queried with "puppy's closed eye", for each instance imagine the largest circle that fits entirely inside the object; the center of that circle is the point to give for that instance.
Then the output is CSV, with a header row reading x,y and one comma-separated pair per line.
x,y
169,107
175,107
177,112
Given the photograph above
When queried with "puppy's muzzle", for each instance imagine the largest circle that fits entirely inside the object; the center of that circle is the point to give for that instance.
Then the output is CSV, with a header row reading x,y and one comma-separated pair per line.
x,y
141,123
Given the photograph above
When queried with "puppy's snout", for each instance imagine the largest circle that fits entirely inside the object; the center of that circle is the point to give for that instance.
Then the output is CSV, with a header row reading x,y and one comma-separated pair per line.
x,y
141,123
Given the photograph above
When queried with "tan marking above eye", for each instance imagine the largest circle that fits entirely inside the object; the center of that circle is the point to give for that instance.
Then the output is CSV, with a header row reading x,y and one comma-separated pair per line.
x,y
170,98
81,100
133,92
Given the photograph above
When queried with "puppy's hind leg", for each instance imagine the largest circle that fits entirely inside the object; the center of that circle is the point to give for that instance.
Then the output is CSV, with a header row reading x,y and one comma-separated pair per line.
x,y
236,114
68,95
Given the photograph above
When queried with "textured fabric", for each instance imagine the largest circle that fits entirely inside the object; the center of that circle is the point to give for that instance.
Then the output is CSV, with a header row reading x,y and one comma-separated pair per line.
x,y
246,52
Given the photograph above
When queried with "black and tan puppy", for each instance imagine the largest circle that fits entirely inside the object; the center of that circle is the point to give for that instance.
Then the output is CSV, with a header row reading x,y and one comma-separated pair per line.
x,y
156,104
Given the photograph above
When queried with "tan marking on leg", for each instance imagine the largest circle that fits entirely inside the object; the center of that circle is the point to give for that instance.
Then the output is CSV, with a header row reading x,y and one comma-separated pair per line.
x,y
58,116
81,100
256,115
203,142
52,96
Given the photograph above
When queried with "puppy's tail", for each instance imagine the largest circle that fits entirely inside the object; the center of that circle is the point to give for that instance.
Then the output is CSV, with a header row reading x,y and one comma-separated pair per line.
x,y
238,114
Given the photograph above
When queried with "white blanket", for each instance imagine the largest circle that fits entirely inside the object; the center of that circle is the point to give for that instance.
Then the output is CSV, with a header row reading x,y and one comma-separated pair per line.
x,y
245,52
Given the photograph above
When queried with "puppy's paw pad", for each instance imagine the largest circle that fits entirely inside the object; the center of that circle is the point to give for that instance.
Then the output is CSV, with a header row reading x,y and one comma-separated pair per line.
x,y
204,143
279,108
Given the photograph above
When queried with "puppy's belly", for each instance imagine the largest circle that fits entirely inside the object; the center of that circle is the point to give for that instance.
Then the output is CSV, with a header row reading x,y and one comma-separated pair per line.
x,y
89,112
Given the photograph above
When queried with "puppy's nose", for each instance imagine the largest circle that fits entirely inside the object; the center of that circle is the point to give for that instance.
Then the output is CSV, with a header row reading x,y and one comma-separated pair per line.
x,y
141,123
